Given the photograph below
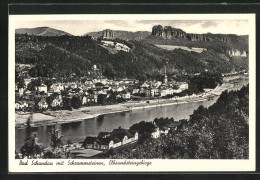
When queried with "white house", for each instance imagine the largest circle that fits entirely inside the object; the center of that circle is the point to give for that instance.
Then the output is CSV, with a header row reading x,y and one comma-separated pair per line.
x,y
164,130
126,95
156,133
136,91
21,91
84,100
17,105
56,102
73,85
183,85
58,87
163,92
43,104
41,88
119,89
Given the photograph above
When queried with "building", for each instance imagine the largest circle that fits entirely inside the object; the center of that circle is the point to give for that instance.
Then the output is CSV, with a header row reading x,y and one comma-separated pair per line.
x,y
156,132
57,87
108,140
136,91
165,80
89,142
21,91
73,86
164,130
126,94
42,88
21,105
84,100
56,102
42,104
125,136
183,85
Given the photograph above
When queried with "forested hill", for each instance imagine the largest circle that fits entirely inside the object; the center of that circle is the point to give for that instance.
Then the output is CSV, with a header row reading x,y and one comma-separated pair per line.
x,y
41,31
62,56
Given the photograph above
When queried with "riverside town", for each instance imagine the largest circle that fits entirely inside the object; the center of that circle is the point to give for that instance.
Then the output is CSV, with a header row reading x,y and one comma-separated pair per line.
x,y
167,92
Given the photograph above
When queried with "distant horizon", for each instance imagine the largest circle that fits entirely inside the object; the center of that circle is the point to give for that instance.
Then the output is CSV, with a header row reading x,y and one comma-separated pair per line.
x,y
82,27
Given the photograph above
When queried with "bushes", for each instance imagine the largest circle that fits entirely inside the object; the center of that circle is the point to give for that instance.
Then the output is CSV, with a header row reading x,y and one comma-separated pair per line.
x,y
204,80
76,102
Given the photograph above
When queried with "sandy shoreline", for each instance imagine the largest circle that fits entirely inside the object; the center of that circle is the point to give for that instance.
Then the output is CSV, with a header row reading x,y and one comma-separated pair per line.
x,y
66,116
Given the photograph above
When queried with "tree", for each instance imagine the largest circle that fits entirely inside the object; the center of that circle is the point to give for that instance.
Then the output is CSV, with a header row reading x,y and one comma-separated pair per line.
x,y
143,127
21,83
67,103
56,138
48,82
101,99
76,102
31,146
34,83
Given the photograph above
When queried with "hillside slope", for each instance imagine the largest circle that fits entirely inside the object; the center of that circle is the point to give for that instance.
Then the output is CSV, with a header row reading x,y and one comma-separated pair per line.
x,y
66,55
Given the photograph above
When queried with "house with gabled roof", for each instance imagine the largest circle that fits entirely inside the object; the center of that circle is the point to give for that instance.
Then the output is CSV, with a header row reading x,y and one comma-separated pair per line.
x,y
108,140
84,99
57,87
126,94
155,132
89,142
42,104
125,136
41,88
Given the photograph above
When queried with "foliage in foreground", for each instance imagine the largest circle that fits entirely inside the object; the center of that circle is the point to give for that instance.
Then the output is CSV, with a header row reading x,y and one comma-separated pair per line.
x,y
218,132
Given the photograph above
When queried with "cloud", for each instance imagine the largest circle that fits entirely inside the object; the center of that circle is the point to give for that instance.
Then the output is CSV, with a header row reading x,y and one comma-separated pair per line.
x,y
207,24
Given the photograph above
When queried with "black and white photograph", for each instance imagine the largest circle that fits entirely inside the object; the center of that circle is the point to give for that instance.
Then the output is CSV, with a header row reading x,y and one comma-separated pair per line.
x,y
132,90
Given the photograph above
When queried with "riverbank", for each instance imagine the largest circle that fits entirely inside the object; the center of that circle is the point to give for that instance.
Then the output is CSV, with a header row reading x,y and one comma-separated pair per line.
x,y
66,116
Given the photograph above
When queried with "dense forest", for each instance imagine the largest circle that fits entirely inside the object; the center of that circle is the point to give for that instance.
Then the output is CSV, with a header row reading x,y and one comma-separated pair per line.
x,y
218,132
66,56
204,80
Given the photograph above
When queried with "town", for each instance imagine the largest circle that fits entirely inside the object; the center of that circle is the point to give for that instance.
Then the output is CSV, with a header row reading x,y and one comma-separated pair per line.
x,y
33,94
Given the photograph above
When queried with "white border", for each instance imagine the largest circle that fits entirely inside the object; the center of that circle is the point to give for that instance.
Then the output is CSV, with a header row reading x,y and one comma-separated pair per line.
x,y
157,165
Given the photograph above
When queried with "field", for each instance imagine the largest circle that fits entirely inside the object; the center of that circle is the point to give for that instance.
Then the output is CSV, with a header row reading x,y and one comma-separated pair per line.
x,y
171,48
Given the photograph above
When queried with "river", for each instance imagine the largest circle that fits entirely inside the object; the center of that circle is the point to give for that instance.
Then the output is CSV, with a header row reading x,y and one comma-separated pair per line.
x,y
77,131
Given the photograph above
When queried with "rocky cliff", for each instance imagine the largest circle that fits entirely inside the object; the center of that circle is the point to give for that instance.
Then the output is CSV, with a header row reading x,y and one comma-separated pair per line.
x,y
125,35
108,34
237,53
168,32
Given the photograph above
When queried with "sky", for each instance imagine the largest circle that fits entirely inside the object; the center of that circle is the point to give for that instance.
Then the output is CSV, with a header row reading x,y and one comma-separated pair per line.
x,y
80,27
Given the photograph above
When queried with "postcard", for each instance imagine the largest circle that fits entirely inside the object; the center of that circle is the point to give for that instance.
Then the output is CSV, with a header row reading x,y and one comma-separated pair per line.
x,y
131,92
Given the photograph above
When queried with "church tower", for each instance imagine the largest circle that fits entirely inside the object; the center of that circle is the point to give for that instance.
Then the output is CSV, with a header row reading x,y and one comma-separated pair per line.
x,y
165,80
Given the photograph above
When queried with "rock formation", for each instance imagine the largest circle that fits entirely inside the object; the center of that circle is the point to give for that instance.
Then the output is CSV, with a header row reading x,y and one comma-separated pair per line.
x,y
168,32
108,34
236,53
